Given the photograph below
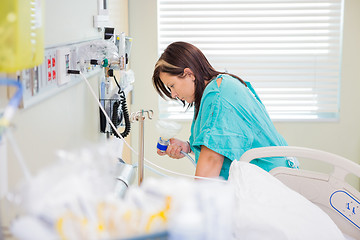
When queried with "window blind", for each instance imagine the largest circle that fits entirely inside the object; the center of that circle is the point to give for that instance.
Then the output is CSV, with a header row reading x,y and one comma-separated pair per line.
x,y
290,50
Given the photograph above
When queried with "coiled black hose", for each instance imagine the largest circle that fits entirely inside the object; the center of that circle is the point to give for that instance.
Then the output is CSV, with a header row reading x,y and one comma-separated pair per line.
x,y
117,115
125,112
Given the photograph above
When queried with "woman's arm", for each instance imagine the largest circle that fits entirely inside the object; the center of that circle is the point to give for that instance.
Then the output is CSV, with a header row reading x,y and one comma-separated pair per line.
x,y
209,163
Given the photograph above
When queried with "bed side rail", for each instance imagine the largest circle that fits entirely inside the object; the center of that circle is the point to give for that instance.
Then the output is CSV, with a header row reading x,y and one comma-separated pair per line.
x,y
330,191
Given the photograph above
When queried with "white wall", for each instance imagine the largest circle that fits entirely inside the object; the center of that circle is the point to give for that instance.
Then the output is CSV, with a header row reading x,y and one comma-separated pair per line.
x,y
340,137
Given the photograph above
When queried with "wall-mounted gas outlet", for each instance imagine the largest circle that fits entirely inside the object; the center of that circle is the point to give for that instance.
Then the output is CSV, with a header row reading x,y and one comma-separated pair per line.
x,y
50,67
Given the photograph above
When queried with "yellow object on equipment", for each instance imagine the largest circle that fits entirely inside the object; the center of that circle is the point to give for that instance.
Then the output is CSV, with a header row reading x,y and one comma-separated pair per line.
x,y
21,34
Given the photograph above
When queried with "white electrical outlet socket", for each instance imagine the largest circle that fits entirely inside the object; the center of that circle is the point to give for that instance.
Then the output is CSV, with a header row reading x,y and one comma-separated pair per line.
x,y
63,65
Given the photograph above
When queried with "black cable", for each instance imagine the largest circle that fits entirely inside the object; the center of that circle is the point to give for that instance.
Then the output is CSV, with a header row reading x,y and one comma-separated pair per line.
x,y
124,110
126,117
117,84
73,71
116,117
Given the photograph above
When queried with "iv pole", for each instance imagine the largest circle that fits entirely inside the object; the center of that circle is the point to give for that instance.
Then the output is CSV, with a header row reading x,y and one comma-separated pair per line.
x,y
140,116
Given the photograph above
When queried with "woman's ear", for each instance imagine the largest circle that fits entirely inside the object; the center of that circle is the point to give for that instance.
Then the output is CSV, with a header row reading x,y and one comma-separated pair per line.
x,y
187,71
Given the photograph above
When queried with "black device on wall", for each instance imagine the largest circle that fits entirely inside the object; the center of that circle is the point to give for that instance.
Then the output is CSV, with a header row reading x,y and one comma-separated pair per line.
x,y
118,112
108,33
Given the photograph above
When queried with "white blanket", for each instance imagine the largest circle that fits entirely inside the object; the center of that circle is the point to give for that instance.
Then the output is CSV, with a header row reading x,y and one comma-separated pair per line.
x,y
267,209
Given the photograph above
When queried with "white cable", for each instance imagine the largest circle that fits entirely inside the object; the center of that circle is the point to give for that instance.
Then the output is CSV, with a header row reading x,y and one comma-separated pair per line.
x,y
157,172
154,170
18,155
184,175
147,161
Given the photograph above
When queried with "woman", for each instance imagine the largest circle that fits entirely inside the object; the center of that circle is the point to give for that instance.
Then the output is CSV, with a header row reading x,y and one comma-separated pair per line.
x,y
229,117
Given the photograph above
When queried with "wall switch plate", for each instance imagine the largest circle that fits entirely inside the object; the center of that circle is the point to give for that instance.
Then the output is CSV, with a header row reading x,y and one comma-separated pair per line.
x,y
63,65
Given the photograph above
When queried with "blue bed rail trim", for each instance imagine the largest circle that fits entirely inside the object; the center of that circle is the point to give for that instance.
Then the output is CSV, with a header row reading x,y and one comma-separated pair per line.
x,y
355,210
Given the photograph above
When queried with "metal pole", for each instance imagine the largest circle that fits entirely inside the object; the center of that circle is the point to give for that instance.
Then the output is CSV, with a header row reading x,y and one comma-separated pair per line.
x,y
140,116
141,148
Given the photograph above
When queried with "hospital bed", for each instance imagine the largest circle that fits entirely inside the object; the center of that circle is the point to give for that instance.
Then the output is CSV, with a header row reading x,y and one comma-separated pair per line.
x,y
330,191
262,205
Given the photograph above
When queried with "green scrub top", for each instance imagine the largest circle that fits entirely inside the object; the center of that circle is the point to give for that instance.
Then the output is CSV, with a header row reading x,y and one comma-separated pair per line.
x,y
232,120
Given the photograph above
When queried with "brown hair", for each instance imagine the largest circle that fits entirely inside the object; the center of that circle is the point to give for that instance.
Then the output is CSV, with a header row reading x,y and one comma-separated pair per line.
x,y
178,56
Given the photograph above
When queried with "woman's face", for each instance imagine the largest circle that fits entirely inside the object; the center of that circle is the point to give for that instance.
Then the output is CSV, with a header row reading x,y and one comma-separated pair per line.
x,y
181,88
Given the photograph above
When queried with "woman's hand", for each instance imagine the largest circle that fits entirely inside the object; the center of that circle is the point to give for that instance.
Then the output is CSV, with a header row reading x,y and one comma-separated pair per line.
x,y
174,149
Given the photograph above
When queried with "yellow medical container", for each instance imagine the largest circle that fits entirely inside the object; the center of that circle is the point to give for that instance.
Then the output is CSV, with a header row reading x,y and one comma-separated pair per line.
x,y
21,34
